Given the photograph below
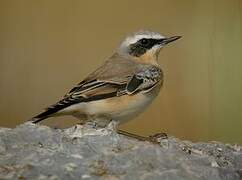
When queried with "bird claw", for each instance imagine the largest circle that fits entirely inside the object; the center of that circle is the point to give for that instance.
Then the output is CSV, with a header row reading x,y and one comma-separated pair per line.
x,y
156,138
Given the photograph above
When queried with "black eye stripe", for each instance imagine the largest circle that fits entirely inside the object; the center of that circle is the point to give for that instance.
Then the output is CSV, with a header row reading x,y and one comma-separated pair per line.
x,y
142,45
148,43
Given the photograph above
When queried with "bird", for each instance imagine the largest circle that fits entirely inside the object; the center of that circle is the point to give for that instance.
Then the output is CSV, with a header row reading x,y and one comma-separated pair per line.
x,y
121,88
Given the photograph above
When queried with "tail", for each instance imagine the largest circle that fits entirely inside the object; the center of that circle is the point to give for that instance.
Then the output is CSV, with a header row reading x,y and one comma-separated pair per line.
x,y
49,112
52,110
42,116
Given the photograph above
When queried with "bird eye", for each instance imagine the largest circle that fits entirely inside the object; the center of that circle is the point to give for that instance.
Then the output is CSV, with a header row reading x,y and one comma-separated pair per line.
x,y
144,41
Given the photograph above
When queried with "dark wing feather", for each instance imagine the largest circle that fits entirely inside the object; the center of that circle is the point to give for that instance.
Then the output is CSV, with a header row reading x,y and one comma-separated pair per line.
x,y
89,92
145,79
134,84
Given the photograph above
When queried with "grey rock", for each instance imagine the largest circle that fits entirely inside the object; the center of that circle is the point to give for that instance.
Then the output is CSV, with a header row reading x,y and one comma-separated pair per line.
x,y
39,152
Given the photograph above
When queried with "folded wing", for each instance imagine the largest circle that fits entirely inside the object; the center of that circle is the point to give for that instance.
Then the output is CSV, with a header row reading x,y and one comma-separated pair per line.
x,y
101,85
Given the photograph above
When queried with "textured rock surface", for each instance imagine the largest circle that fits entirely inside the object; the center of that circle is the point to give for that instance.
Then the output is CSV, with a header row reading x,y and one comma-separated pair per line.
x,y
39,152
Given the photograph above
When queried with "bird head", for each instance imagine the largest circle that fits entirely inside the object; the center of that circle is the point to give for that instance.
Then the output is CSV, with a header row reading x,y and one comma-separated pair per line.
x,y
144,46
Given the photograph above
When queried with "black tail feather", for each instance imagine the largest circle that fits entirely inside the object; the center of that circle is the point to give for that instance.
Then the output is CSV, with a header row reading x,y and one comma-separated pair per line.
x,y
36,120
44,115
68,101
52,110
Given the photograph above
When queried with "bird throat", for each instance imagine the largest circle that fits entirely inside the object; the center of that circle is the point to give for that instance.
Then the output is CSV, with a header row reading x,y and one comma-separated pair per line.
x,y
148,58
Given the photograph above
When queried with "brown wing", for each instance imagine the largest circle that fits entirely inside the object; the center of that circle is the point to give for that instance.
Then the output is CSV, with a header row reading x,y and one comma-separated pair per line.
x,y
116,70
115,78
107,81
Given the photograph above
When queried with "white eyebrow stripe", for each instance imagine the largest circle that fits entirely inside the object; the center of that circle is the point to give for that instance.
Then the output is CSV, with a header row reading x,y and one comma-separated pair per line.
x,y
133,38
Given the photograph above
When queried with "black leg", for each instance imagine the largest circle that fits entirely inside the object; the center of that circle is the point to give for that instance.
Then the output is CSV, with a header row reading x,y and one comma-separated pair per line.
x,y
125,133
153,138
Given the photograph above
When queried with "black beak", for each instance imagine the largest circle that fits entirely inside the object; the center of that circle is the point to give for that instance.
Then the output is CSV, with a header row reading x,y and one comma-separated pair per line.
x,y
169,39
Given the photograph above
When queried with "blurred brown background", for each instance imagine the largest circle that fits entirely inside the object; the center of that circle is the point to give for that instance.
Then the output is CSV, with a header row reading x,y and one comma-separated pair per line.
x,y
46,47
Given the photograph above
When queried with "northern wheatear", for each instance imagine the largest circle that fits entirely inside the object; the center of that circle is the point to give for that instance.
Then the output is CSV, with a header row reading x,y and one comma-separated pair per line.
x,y
121,88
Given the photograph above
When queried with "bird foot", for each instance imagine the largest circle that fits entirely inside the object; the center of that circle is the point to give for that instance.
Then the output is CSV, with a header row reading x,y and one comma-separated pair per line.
x,y
153,138
156,138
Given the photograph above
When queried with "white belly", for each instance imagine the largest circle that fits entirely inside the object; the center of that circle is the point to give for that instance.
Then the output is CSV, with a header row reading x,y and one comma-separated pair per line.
x,y
120,108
